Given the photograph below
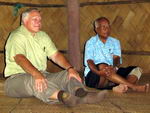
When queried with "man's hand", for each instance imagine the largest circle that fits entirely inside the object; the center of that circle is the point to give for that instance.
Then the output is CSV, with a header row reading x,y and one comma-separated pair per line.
x,y
108,71
40,83
73,73
115,69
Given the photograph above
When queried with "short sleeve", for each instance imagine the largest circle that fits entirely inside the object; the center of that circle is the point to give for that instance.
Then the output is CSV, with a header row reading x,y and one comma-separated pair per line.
x,y
117,48
16,45
88,52
50,47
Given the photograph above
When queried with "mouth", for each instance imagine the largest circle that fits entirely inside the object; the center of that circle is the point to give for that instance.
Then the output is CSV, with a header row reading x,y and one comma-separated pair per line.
x,y
37,27
106,33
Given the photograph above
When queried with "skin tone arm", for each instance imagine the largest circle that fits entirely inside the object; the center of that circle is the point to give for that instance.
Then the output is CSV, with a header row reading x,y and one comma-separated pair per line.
x,y
40,81
92,66
116,60
94,69
59,59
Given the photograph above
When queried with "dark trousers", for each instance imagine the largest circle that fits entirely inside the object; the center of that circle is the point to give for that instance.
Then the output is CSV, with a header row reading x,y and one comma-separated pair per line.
x,y
92,79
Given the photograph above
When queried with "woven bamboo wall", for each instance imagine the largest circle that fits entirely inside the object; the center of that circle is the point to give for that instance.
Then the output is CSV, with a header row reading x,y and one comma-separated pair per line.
x,y
130,24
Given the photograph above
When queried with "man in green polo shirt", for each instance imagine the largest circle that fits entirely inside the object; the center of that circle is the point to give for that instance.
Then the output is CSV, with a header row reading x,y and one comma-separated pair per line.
x,y
27,49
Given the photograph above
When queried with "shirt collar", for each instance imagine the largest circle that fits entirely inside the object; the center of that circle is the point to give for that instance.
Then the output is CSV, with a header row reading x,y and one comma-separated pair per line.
x,y
98,39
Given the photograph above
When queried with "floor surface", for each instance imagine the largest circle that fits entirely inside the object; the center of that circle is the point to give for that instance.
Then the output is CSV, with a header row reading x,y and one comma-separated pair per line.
x,y
130,102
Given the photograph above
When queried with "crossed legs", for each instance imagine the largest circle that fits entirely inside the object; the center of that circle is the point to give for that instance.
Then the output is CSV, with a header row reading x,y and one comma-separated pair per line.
x,y
60,88
130,81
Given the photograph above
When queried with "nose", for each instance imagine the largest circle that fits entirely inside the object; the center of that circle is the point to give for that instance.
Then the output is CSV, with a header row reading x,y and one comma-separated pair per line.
x,y
38,22
106,27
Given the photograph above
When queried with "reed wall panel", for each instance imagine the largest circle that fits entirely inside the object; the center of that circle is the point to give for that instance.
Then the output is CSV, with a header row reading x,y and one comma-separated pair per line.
x,y
130,24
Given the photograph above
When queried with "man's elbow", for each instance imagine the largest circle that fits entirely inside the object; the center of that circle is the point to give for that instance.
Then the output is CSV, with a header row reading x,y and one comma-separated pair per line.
x,y
19,58
55,56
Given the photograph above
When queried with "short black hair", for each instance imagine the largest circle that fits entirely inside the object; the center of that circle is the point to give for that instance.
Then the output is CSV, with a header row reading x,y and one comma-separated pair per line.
x,y
100,19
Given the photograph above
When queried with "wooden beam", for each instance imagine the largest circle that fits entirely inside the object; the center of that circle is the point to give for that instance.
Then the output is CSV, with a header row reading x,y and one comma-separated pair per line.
x,y
32,5
81,4
73,33
114,2
127,52
124,52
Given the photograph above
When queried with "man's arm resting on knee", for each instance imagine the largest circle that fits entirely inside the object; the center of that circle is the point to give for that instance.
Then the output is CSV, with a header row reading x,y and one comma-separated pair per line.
x,y
94,69
59,59
116,62
26,65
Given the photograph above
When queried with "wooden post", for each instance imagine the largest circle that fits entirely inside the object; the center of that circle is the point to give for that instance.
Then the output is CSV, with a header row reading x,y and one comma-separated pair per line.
x,y
73,30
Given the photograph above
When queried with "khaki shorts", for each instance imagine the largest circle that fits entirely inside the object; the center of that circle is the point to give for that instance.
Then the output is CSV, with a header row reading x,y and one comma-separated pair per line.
x,y
22,85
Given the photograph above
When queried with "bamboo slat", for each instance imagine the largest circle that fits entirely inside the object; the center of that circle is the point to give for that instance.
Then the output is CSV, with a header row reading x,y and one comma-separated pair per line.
x,y
130,24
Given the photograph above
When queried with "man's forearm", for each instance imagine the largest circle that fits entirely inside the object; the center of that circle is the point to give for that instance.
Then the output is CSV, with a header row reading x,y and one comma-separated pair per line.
x,y
116,61
26,65
59,59
92,66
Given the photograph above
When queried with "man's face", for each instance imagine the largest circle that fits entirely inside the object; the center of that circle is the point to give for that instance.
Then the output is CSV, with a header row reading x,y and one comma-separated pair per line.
x,y
104,29
33,21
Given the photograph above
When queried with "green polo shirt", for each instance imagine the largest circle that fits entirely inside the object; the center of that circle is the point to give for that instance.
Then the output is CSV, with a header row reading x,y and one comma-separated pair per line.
x,y
35,48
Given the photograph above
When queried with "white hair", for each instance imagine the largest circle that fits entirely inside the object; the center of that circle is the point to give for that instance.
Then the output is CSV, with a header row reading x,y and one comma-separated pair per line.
x,y
26,13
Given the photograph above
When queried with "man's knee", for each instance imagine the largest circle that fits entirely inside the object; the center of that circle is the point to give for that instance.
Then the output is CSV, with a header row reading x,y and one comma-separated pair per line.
x,y
137,72
16,86
101,66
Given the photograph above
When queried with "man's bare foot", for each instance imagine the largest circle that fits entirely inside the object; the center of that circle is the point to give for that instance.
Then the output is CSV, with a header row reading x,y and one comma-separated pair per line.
x,y
121,88
142,88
